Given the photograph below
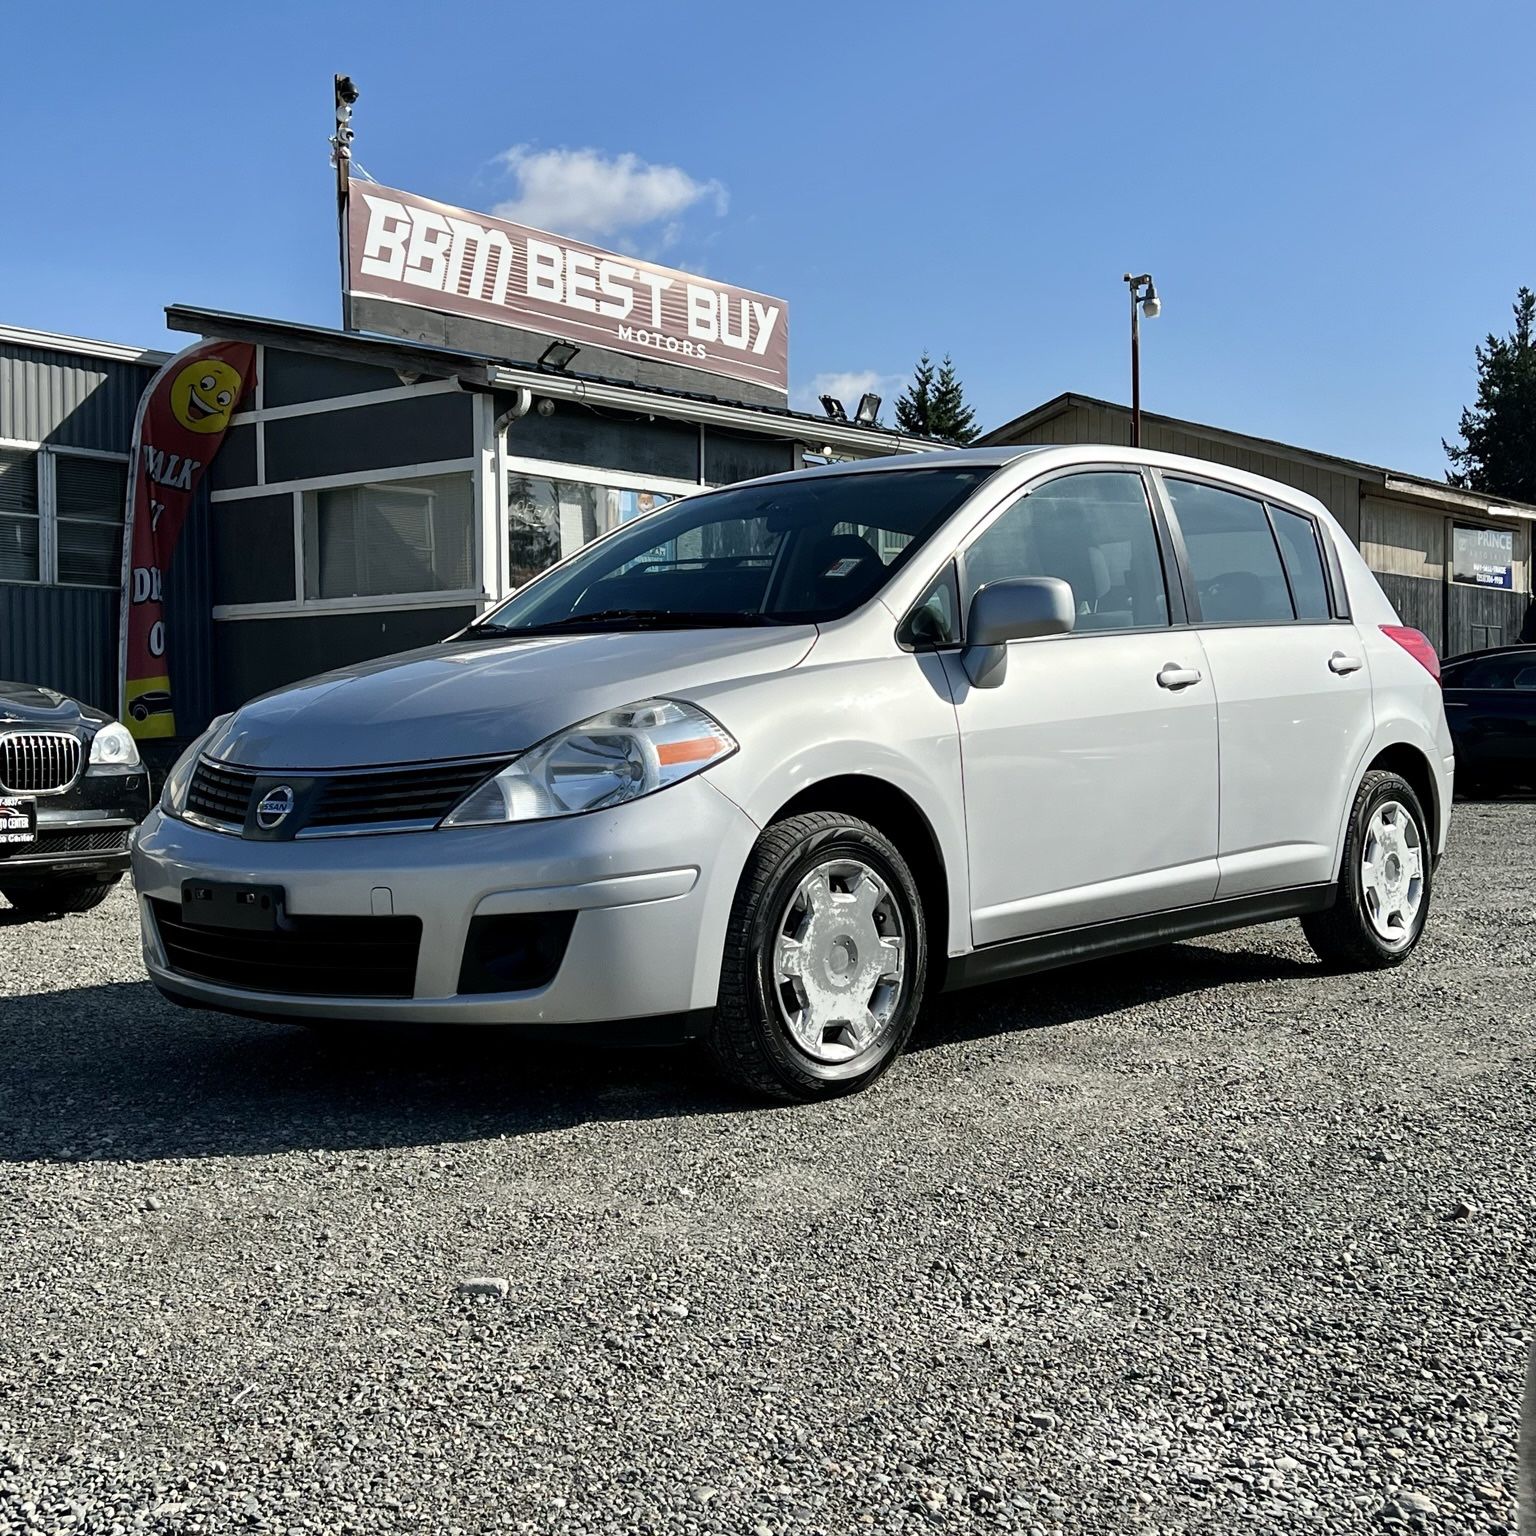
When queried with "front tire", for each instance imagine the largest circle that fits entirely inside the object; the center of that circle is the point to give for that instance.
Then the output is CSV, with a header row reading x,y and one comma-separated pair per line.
x,y
825,961
47,898
1384,882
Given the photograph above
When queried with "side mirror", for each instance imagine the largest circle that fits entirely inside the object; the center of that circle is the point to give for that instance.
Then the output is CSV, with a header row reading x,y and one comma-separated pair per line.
x,y
1022,608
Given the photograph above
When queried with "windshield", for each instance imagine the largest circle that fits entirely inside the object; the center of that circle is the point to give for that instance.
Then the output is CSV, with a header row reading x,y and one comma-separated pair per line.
x,y
767,552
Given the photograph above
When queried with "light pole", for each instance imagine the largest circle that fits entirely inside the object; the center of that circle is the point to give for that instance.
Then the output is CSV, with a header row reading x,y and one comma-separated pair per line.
x,y
1144,300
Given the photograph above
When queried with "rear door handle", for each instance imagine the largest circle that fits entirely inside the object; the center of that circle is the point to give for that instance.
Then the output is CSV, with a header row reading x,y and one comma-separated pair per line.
x,y
1343,664
1175,677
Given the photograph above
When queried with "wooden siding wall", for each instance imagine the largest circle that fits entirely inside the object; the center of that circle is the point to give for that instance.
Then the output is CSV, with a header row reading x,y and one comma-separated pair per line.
x,y
1409,548
1337,491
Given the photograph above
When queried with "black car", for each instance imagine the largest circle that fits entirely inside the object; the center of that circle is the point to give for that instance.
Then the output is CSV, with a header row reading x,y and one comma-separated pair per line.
x,y
71,790
1490,705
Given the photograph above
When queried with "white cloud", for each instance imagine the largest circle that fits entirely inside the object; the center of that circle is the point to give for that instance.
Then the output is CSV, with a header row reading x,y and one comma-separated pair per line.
x,y
847,387
584,192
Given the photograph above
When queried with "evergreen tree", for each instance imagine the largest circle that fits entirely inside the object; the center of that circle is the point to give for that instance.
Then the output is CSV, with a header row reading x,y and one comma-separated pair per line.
x,y
951,418
916,401
933,404
1497,454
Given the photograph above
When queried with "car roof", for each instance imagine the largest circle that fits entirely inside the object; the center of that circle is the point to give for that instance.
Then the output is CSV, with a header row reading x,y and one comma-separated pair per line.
x,y
1522,647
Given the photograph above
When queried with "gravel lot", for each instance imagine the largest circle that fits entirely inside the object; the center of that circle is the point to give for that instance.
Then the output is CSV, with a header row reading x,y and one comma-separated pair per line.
x,y
1201,1239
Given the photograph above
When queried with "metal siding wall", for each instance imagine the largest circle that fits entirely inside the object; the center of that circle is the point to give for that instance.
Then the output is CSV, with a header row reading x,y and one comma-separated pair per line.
x,y
63,638
76,402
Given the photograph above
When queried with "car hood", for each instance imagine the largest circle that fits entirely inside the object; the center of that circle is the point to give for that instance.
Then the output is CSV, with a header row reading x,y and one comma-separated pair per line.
x,y
468,699
28,705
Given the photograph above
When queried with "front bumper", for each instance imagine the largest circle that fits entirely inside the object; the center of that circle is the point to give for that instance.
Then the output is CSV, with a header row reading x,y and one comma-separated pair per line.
x,y
83,833
651,885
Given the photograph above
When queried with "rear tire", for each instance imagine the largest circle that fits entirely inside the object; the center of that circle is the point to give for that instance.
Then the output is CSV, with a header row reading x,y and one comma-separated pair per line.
x,y
45,898
825,961
1385,880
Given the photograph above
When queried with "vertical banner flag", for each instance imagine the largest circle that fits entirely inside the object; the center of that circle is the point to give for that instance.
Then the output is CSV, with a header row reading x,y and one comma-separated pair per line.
x,y
180,425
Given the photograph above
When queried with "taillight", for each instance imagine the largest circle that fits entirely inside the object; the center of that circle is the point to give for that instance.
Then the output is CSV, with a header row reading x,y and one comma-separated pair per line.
x,y
1417,645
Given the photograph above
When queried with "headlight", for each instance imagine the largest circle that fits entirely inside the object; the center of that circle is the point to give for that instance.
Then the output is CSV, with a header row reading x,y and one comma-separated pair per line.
x,y
604,761
113,749
173,797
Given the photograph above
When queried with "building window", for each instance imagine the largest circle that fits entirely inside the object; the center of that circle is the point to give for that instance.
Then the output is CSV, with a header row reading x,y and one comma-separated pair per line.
x,y
549,517
394,538
20,525
88,502
61,516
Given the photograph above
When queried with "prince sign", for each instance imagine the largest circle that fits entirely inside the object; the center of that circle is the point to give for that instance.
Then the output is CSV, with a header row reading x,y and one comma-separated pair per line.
x,y
409,250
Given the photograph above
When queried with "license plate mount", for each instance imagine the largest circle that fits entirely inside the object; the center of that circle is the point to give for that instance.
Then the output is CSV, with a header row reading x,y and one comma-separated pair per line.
x,y
18,824
224,904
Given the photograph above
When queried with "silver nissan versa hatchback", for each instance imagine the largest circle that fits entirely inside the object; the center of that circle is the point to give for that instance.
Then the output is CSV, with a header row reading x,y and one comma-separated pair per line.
x,y
771,765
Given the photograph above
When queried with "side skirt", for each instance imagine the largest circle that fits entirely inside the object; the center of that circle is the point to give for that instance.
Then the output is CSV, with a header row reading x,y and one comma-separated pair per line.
x,y
1068,946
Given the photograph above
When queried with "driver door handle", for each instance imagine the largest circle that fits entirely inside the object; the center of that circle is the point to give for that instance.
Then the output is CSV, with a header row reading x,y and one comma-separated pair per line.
x,y
1175,677
1343,664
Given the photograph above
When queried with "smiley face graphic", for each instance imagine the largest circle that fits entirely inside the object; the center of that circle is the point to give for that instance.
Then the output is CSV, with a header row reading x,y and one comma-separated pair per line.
x,y
204,393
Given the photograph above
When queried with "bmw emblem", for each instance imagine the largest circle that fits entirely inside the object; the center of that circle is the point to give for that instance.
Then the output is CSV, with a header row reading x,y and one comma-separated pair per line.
x,y
274,807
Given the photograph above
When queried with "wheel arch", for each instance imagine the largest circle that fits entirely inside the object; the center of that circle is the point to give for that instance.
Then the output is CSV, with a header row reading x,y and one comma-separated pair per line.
x,y
1408,762
895,813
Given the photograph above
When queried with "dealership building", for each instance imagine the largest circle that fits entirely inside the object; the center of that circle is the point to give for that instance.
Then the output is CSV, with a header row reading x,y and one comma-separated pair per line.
x,y
374,494
380,484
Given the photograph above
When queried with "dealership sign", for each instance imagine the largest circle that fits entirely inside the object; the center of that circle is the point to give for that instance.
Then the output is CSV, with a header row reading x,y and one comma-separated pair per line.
x,y
1483,557
180,425
410,250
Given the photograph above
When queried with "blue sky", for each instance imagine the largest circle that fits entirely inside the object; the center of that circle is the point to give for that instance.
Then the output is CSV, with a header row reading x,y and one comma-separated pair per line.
x,y
1336,199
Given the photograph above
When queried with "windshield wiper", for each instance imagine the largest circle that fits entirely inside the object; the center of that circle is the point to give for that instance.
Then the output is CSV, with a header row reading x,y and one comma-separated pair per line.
x,y
638,618
480,631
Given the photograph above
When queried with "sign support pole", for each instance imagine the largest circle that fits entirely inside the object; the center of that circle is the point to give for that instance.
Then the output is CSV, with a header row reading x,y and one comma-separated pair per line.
x,y
341,158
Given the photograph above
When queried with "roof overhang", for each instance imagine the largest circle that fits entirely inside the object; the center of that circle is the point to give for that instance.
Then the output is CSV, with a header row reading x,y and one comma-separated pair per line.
x,y
814,431
1452,499
412,360
1448,499
81,346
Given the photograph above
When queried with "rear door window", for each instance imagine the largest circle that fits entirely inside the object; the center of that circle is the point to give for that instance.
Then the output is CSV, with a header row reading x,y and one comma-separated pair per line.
x,y
1303,558
1233,559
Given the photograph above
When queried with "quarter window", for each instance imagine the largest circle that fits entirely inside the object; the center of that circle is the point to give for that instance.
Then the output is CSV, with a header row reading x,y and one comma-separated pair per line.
x,y
936,618
1232,555
1303,563
1095,532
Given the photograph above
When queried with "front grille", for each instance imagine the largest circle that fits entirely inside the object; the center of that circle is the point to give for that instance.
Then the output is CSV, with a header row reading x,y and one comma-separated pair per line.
x,y
306,957
99,840
220,793
396,794
37,762
373,797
